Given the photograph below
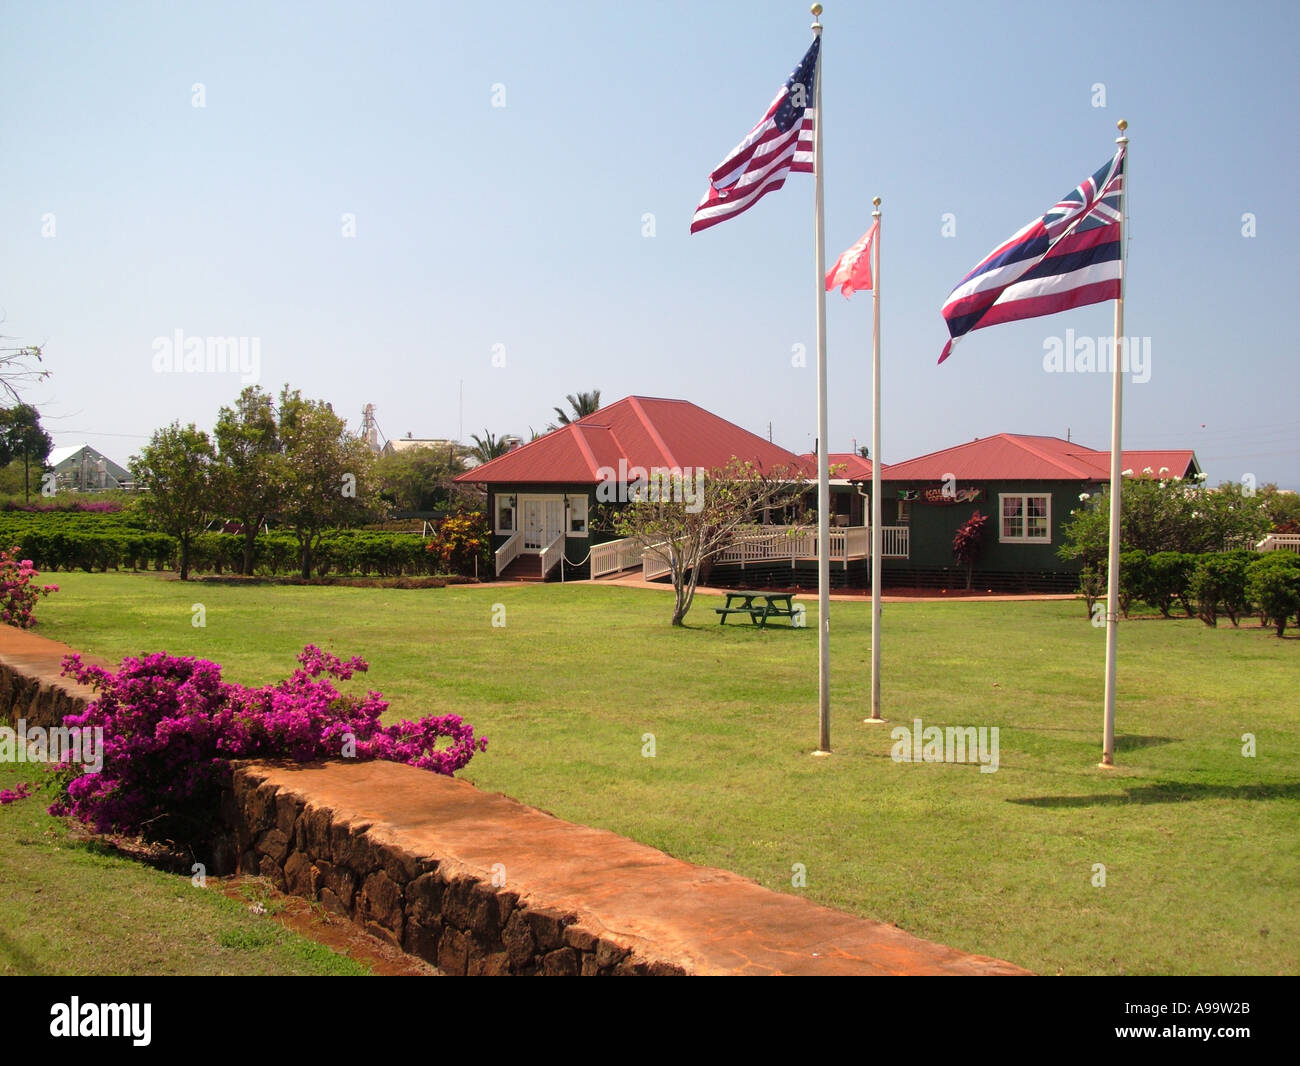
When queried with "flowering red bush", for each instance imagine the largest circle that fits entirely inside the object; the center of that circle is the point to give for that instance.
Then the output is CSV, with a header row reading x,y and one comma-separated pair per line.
x,y
18,595
171,724
966,542
461,539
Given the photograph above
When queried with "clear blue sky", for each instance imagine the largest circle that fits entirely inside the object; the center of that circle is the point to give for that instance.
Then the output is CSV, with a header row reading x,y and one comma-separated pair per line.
x,y
522,225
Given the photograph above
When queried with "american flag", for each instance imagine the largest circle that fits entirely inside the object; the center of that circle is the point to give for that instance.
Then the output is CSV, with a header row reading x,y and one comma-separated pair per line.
x,y
1068,258
781,142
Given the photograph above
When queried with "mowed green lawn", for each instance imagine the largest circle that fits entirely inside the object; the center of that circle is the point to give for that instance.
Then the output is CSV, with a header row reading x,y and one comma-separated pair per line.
x,y
1200,844
68,906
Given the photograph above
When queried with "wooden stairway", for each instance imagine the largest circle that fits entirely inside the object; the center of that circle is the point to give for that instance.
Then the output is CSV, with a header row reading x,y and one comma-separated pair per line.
x,y
523,568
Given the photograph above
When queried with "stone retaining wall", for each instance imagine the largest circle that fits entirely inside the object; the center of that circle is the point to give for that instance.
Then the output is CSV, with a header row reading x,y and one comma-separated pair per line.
x,y
42,701
437,908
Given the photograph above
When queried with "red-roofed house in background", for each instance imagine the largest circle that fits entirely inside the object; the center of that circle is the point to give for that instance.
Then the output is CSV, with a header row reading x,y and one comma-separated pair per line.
x,y
1027,486
541,496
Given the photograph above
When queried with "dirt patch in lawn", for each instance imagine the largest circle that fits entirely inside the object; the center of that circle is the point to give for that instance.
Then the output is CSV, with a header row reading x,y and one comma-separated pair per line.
x,y
314,922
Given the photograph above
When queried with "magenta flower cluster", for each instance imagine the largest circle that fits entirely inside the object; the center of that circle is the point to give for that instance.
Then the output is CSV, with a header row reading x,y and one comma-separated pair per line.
x,y
171,725
18,595
13,795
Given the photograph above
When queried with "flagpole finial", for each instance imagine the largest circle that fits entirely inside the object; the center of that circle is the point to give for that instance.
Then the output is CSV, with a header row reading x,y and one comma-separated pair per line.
x,y
876,200
816,10
1122,126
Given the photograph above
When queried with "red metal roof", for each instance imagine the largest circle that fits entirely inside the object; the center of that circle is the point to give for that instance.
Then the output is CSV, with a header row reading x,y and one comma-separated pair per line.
x,y
1020,457
855,468
640,430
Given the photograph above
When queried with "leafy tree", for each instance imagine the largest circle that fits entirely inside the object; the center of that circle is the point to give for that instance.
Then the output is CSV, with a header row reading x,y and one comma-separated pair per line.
x,y
686,524
328,476
1282,508
1273,584
419,479
1219,583
967,543
178,469
21,437
251,467
1165,515
583,404
488,447
1168,577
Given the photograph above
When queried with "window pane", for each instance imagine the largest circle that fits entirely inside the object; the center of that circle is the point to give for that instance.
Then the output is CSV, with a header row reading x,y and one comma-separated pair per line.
x,y
1038,524
1013,524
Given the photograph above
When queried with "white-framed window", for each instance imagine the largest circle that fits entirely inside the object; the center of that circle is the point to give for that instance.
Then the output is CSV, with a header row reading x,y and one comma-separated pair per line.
x,y
505,514
904,512
1026,518
578,516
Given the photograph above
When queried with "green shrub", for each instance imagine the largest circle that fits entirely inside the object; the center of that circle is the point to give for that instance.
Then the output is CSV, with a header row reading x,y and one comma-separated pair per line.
x,y
1273,585
1219,583
1168,578
1134,576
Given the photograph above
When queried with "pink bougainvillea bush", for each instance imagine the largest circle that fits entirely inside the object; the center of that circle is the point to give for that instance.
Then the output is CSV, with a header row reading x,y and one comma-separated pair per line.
x,y
171,725
18,595
12,795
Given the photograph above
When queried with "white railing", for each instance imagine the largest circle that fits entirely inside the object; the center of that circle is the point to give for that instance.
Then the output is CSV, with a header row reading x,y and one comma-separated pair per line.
x,y
615,555
759,544
508,552
1275,542
551,553
770,543
857,542
895,542
654,562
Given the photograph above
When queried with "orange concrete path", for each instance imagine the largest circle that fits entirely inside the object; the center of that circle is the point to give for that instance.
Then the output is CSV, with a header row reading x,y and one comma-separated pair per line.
x,y
704,920
41,659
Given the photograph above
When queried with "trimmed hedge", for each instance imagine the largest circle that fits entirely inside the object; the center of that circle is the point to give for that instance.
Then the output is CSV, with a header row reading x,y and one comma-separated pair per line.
x,y
71,540
1236,583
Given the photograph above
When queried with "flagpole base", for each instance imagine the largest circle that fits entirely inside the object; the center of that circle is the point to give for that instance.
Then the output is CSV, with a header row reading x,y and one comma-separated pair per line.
x,y
874,721
1107,763
819,753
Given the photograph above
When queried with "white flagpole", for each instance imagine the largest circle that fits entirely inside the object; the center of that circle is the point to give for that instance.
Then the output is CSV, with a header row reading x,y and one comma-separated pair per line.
x,y
1116,477
875,472
823,449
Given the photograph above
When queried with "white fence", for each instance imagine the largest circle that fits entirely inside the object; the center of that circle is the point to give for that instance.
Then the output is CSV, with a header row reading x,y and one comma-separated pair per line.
x,y
508,552
615,555
1280,542
758,544
551,554
785,542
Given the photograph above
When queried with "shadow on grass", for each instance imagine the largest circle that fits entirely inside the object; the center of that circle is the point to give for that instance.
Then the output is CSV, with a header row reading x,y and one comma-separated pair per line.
x,y
1132,742
25,964
1168,793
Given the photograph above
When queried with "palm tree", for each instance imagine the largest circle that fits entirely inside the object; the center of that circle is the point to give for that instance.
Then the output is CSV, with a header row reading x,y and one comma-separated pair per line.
x,y
488,447
585,403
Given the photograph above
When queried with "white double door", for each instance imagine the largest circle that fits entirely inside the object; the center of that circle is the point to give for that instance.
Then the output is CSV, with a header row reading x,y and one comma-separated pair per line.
x,y
543,520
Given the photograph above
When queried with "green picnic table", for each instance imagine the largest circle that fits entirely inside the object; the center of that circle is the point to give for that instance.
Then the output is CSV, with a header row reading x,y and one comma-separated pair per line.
x,y
760,606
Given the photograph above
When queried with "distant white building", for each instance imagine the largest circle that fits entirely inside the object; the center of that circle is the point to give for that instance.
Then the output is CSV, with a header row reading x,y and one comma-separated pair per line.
x,y
405,444
81,468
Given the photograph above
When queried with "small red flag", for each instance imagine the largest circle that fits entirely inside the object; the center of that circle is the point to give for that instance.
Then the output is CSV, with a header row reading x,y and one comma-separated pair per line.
x,y
852,270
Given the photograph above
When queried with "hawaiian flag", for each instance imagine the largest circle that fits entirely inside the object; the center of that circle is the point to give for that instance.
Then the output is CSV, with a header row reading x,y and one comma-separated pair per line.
x,y
1068,258
781,142
852,270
